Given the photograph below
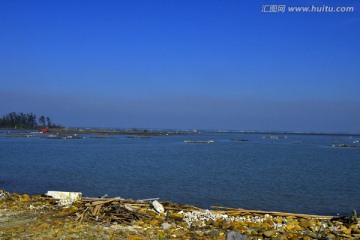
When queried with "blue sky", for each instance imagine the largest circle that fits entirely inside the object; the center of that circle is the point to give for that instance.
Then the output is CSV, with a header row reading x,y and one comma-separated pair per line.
x,y
182,64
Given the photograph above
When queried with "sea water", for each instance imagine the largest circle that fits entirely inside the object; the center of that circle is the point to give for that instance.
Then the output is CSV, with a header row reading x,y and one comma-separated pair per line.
x,y
292,173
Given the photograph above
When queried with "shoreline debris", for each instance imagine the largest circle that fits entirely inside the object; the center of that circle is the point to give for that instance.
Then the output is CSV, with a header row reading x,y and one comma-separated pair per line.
x,y
157,206
65,198
152,219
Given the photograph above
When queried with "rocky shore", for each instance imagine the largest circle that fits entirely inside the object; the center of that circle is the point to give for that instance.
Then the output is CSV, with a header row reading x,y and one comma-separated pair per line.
x,y
43,217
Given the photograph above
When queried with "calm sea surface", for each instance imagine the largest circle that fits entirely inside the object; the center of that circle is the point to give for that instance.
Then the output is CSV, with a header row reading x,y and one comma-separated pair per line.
x,y
300,173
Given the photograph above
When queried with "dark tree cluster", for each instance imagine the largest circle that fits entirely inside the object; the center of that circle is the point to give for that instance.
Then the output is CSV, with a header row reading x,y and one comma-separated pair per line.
x,y
25,120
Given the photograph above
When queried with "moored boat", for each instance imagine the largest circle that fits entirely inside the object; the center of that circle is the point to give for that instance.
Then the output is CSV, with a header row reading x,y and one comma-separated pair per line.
x,y
191,141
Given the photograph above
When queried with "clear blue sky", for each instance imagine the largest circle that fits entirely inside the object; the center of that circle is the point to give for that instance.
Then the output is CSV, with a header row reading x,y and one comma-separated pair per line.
x,y
195,64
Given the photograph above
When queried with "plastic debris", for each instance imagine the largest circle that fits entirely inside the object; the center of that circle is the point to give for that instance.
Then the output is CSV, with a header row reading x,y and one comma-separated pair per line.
x,y
65,198
158,207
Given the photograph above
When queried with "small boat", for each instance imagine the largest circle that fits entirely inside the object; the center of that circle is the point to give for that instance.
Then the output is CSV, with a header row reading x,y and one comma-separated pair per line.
x,y
191,141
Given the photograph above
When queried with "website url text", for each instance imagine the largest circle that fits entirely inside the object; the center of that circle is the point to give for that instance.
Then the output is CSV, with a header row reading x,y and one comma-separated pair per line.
x,y
307,9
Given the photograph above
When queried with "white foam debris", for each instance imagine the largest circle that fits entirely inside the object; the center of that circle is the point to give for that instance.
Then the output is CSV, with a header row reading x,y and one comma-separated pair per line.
x,y
207,215
202,216
65,198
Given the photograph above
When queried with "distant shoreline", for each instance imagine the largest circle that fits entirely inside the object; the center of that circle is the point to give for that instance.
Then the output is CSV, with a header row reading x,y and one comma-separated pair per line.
x,y
146,132
104,131
287,133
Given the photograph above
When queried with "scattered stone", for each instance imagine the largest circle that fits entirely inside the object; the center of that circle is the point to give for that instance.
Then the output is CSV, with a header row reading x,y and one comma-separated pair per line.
x,y
176,216
4,195
226,224
25,198
166,226
269,233
233,235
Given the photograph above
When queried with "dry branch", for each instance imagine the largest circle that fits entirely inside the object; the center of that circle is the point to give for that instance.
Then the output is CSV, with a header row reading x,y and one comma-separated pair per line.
x,y
240,211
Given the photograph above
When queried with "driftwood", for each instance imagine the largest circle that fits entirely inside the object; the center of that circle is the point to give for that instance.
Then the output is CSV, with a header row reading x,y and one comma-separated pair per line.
x,y
240,211
90,199
101,205
123,211
347,220
111,210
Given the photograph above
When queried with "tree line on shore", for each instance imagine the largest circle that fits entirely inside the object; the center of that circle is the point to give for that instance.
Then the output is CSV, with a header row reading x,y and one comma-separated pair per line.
x,y
26,120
